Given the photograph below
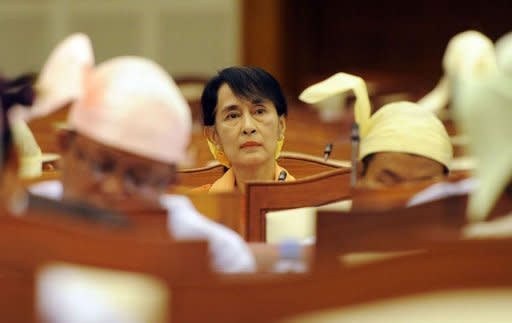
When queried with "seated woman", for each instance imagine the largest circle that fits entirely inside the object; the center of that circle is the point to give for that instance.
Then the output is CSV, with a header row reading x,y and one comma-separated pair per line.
x,y
244,114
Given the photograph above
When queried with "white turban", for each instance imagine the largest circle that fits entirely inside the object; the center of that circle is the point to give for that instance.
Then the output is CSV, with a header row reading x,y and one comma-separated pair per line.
x,y
60,81
405,127
467,52
484,110
132,104
504,52
30,155
397,127
339,83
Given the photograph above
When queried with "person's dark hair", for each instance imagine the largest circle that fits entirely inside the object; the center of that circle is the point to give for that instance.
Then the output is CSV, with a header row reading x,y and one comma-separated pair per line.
x,y
246,82
13,91
366,160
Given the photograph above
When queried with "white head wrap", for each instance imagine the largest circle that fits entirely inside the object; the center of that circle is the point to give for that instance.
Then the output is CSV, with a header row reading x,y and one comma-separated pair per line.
x,y
407,128
340,83
467,52
397,127
504,52
60,81
484,110
132,104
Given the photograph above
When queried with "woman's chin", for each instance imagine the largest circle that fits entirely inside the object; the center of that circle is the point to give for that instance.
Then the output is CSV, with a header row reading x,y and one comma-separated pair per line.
x,y
253,161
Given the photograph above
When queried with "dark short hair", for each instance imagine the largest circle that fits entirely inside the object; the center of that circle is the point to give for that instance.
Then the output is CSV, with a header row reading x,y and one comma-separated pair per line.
x,y
246,82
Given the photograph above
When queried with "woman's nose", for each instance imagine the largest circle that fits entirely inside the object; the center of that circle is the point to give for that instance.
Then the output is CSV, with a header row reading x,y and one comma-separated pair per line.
x,y
248,126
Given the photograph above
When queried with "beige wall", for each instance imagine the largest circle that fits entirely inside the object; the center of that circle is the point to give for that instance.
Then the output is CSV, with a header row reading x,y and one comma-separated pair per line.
x,y
185,36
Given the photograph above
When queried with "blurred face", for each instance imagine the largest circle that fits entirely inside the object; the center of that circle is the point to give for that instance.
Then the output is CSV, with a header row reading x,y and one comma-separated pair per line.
x,y
110,178
390,168
247,131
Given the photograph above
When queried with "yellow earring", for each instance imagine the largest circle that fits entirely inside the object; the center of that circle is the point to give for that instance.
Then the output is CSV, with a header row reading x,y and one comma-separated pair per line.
x,y
279,147
218,154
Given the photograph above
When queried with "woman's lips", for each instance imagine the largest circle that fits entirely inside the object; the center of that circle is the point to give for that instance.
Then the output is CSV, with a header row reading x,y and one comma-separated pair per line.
x,y
250,144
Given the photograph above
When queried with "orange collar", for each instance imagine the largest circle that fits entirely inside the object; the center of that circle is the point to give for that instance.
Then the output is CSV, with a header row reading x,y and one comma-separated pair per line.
x,y
227,182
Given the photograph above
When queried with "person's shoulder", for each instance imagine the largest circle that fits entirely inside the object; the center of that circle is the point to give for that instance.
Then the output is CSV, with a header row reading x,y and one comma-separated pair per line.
x,y
289,177
201,189
171,201
231,254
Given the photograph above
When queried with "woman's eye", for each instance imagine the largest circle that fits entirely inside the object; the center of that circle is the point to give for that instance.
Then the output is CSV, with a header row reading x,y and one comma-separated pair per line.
x,y
260,111
232,116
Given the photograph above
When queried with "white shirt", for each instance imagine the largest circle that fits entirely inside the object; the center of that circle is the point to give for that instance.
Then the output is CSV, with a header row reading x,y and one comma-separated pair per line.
x,y
497,228
443,190
229,252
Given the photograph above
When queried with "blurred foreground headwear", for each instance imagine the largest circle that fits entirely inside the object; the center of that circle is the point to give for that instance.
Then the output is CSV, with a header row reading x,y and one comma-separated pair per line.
x,y
504,52
60,82
132,104
484,110
469,52
61,79
397,127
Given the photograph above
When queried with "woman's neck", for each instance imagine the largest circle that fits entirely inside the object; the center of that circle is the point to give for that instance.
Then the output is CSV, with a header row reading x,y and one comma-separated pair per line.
x,y
263,172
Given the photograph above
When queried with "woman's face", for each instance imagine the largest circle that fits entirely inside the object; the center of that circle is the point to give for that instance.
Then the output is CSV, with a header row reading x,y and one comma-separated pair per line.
x,y
247,131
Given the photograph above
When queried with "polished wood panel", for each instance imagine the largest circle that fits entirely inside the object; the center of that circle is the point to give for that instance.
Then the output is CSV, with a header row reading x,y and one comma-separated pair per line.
x,y
303,165
314,190
195,177
30,241
224,208
320,38
398,228
450,266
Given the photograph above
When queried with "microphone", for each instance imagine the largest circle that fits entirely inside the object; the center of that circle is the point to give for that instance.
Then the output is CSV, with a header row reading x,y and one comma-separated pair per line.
x,y
282,176
354,138
327,151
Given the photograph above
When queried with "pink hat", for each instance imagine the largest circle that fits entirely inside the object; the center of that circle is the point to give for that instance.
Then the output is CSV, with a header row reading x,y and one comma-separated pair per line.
x,y
61,79
132,104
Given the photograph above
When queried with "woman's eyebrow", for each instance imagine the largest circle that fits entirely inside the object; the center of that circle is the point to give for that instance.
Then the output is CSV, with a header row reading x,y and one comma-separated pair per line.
x,y
229,108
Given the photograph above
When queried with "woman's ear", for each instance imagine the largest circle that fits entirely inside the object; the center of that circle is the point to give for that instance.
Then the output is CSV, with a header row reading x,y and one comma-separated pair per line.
x,y
64,138
282,127
211,134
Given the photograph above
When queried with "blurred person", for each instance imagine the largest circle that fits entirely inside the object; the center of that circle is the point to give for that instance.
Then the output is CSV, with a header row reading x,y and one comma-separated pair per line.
x,y
127,132
483,107
467,53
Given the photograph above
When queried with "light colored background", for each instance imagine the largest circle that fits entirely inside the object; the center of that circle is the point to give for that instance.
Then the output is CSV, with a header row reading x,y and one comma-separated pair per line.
x,y
187,37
